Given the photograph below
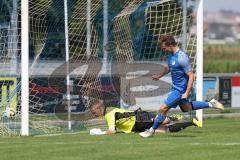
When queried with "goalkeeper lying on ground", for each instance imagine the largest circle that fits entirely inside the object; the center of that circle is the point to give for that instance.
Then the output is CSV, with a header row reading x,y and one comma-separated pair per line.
x,y
132,121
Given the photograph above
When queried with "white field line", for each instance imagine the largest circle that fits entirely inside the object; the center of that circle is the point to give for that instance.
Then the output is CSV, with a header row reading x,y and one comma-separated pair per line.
x,y
218,144
84,142
121,143
60,134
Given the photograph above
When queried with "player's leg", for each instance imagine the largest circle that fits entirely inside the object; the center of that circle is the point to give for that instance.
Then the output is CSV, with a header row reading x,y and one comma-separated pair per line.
x,y
176,127
187,106
162,129
215,104
171,102
195,105
161,117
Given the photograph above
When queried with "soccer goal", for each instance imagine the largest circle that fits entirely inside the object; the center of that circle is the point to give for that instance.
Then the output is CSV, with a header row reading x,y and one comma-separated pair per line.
x,y
59,56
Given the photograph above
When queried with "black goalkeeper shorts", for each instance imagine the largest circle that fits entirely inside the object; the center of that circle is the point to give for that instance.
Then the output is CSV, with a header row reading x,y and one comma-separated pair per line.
x,y
142,126
144,120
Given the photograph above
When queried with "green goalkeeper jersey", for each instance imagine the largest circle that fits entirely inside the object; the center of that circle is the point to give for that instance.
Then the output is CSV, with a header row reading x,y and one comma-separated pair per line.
x,y
124,124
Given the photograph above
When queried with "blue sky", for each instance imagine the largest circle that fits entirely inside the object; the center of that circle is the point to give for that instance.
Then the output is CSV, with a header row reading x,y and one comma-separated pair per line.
x,y
215,5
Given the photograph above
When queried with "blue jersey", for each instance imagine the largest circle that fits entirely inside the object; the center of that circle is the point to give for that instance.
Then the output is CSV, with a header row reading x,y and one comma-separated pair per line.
x,y
179,64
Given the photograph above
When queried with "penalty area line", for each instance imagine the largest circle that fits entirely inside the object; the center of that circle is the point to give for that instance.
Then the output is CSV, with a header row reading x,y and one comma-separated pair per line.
x,y
218,144
59,134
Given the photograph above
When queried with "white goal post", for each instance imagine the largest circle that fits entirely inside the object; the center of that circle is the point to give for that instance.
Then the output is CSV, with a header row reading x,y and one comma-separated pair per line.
x,y
25,69
199,69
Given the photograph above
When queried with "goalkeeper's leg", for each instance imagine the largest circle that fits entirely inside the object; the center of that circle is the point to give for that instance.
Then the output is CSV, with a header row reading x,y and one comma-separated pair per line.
x,y
176,127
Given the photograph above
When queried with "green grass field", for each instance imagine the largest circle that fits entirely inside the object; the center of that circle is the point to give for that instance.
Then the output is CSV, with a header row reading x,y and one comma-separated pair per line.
x,y
219,139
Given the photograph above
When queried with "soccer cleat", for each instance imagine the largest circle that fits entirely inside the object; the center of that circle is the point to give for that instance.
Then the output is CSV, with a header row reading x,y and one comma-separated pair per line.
x,y
197,123
147,133
217,104
175,117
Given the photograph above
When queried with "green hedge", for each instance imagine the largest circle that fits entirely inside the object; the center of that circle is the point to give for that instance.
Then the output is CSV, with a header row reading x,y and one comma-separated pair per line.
x,y
222,58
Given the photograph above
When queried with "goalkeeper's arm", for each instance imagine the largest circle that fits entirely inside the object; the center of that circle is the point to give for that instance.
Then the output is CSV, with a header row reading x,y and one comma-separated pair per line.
x,y
111,130
98,131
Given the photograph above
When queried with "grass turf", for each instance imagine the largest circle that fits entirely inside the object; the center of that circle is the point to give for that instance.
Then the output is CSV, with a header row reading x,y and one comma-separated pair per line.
x,y
218,139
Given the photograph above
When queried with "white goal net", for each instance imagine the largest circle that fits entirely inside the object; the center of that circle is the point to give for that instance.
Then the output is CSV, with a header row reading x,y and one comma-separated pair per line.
x,y
134,30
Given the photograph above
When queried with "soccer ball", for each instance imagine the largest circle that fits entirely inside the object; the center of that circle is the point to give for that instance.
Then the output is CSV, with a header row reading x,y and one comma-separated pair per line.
x,y
10,112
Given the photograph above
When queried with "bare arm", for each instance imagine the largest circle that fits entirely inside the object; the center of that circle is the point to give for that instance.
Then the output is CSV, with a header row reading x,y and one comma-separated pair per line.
x,y
157,77
189,85
110,131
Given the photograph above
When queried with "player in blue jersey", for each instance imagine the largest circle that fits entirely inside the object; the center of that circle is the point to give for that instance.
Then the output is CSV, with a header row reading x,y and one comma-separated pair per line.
x,y
182,81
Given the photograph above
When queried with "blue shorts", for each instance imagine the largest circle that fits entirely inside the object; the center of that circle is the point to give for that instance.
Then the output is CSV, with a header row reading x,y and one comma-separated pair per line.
x,y
174,99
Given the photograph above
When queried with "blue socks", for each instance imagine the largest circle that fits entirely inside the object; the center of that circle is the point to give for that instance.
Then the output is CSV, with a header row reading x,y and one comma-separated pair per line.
x,y
195,106
158,120
199,105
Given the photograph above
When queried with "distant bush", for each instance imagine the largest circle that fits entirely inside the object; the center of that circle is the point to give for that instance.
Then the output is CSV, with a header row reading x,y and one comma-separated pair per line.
x,y
222,58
